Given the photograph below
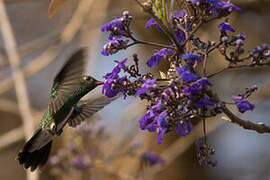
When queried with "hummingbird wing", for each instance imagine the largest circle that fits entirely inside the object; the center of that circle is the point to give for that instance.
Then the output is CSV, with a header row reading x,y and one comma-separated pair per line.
x,y
86,109
67,80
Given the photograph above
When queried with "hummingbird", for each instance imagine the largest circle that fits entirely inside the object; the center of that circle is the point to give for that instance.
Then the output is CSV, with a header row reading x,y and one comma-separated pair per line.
x,y
64,107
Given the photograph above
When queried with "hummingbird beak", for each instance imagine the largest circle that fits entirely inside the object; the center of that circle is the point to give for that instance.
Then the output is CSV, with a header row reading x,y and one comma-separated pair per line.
x,y
99,82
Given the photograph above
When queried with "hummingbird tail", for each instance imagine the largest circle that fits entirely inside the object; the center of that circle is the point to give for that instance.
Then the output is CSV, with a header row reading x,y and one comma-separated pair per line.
x,y
35,153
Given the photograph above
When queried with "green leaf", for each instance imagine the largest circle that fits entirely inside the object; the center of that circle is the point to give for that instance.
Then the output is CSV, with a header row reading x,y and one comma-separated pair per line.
x,y
159,8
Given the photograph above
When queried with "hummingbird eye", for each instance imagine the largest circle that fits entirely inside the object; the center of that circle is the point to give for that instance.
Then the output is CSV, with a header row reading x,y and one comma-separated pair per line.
x,y
87,78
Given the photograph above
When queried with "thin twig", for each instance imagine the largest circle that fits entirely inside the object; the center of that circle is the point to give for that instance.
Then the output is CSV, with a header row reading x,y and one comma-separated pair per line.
x,y
11,137
12,107
18,77
170,34
155,44
33,46
258,127
49,55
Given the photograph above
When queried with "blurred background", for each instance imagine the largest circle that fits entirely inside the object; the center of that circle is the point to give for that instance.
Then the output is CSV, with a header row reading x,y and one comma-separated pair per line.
x,y
45,44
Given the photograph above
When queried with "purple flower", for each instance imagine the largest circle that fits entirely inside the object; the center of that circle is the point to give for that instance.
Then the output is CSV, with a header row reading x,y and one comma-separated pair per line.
x,y
80,163
185,74
155,120
216,6
151,158
119,66
225,26
229,6
184,128
156,58
147,121
202,82
195,1
151,22
114,45
148,83
204,102
179,14
118,26
196,87
191,58
242,103
162,125
114,25
109,87
180,35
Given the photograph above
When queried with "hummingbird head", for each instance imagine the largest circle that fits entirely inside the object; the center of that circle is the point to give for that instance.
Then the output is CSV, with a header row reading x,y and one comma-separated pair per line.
x,y
90,82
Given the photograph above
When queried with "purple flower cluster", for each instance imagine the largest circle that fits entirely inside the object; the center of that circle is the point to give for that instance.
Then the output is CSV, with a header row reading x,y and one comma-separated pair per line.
x,y
155,120
204,153
215,7
119,31
113,83
81,152
183,95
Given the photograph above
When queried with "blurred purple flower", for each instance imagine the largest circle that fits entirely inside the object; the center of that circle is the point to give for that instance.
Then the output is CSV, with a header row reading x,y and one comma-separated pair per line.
x,y
80,163
54,160
72,147
151,158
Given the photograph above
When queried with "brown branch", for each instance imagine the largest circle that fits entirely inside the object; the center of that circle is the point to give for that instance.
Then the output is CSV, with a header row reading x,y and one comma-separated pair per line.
x,y
18,77
258,127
